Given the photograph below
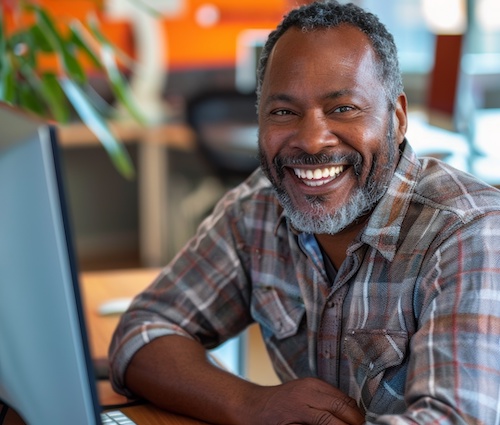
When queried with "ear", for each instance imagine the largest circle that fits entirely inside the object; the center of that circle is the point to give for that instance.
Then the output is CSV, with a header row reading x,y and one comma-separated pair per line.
x,y
401,118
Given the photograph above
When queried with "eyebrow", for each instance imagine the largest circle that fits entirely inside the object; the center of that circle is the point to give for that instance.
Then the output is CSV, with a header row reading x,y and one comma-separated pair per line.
x,y
338,93
283,97
279,97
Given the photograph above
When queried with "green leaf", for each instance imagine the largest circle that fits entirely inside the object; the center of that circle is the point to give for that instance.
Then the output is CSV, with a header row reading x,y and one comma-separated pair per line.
x,y
94,27
29,100
20,46
64,49
54,97
119,85
100,104
99,127
78,39
71,66
32,84
7,80
40,40
101,38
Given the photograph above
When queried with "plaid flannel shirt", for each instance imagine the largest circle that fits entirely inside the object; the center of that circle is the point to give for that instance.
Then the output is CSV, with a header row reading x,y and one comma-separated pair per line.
x,y
409,325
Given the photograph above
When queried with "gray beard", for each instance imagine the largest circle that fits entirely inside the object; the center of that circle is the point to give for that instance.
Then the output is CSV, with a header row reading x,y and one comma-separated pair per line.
x,y
322,222
363,200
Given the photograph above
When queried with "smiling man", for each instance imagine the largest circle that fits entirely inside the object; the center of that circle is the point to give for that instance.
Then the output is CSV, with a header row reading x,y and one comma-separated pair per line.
x,y
329,133
373,274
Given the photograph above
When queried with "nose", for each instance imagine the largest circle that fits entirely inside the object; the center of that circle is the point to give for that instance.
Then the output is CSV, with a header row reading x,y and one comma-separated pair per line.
x,y
314,133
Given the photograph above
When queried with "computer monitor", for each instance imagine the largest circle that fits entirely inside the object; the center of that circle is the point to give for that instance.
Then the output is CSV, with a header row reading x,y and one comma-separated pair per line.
x,y
46,373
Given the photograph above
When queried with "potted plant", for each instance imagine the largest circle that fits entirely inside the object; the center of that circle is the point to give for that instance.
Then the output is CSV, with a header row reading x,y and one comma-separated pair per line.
x,y
56,94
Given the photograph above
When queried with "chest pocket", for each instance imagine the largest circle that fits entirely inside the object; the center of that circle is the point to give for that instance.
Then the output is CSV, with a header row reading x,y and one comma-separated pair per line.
x,y
375,350
378,360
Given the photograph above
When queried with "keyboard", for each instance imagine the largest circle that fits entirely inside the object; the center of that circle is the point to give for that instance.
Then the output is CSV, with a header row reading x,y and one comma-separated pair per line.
x,y
115,417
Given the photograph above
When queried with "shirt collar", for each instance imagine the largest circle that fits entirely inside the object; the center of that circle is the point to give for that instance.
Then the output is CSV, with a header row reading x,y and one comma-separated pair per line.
x,y
384,226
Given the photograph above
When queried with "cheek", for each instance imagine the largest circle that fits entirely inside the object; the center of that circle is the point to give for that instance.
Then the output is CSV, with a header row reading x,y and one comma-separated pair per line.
x,y
373,146
383,162
265,156
268,145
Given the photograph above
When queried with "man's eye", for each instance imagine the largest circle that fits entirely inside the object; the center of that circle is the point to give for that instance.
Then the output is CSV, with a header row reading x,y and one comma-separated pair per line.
x,y
282,112
343,109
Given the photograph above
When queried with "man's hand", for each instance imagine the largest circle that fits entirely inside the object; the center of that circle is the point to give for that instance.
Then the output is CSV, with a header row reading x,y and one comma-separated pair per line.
x,y
306,401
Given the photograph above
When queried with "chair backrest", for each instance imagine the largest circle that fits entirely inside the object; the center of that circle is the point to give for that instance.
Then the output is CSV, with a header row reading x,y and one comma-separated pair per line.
x,y
225,124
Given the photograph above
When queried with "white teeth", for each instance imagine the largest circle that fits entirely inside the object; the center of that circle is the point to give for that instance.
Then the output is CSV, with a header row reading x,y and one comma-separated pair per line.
x,y
319,176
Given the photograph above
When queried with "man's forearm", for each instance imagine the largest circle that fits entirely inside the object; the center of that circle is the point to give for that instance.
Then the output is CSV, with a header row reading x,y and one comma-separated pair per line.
x,y
174,373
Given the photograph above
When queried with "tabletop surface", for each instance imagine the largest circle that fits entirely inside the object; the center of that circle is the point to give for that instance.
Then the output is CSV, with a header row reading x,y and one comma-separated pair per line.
x,y
99,287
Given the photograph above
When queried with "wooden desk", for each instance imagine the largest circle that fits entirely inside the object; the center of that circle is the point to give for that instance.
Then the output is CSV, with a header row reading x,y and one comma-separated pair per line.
x,y
98,287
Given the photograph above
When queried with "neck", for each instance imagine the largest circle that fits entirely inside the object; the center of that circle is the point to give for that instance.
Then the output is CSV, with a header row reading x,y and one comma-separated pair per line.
x,y
335,246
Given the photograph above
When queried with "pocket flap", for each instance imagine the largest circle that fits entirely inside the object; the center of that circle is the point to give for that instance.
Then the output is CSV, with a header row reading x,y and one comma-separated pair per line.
x,y
375,350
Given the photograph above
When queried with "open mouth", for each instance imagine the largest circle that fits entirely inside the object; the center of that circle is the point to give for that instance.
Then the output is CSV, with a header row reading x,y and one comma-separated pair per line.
x,y
318,176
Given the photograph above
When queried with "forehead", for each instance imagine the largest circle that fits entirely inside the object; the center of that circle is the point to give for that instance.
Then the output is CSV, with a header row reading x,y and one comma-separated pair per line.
x,y
339,50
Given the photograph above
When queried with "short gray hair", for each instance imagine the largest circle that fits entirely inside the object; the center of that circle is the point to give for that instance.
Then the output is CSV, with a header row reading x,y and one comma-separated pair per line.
x,y
329,14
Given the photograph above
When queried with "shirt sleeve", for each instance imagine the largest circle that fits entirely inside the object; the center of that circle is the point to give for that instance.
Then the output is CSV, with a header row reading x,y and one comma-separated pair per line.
x,y
454,366
202,294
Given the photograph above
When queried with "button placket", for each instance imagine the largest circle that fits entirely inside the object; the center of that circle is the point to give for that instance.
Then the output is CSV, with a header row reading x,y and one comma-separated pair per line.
x,y
330,336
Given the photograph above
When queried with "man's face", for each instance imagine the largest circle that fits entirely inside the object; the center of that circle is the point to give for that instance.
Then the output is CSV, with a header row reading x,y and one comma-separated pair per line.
x,y
327,140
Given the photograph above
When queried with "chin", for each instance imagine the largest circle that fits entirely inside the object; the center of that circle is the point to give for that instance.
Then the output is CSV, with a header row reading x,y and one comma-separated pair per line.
x,y
318,219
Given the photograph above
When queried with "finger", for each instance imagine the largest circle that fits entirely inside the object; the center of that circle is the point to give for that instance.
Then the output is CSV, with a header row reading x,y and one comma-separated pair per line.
x,y
325,418
339,405
346,409
341,413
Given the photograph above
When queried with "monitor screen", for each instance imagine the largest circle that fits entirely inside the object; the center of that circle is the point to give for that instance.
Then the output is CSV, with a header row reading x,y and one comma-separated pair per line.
x,y
46,373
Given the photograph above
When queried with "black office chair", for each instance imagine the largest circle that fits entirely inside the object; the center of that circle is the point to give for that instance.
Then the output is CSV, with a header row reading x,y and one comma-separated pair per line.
x,y
225,125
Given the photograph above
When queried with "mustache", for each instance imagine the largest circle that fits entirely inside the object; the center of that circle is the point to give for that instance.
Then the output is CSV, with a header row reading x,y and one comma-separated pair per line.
x,y
321,158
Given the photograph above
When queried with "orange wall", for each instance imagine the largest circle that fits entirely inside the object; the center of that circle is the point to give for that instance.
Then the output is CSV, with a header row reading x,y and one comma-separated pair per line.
x,y
190,45
193,45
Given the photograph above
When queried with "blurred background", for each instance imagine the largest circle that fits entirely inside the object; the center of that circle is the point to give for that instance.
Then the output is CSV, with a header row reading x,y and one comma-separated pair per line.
x,y
194,77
